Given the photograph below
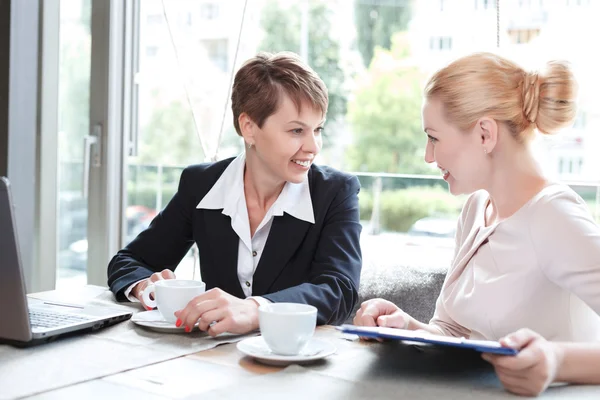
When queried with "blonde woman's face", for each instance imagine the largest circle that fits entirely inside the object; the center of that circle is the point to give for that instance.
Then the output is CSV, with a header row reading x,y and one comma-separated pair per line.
x,y
457,154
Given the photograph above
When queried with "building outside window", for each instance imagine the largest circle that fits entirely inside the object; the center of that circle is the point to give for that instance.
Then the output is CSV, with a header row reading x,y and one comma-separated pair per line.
x,y
371,55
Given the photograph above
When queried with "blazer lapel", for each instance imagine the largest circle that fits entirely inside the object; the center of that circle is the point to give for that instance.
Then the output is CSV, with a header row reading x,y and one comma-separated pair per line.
x,y
286,235
222,242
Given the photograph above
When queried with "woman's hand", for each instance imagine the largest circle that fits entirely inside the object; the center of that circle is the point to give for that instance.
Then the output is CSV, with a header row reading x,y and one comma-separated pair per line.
x,y
531,371
380,312
155,277
229,313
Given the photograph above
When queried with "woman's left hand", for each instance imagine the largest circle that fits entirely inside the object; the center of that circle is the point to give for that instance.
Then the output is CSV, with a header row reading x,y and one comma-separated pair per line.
x,y
229,313
531,371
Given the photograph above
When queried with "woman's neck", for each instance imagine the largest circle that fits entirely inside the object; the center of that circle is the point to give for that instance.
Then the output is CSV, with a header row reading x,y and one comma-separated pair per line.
x,y
515,180
259,184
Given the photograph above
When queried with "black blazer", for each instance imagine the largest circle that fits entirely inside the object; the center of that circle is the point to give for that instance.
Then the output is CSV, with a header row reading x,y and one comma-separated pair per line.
x,y
301,263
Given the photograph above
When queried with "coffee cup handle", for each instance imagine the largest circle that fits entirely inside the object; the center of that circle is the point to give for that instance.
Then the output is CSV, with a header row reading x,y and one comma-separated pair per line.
x,y
146,296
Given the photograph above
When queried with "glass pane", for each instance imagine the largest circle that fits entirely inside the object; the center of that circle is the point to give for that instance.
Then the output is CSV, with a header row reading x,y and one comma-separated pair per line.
x,y
73,108
548,32
185,60
375,57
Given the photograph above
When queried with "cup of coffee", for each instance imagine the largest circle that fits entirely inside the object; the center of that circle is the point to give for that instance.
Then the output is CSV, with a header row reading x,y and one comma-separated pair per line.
x,y
172,295
287,327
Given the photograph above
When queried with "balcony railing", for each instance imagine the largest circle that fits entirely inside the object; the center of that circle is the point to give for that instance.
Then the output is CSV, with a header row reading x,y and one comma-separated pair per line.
x,y
389,203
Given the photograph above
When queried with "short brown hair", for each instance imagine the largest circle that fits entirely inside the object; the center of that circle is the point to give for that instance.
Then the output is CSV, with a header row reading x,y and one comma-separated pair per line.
x,y
259,83
485,84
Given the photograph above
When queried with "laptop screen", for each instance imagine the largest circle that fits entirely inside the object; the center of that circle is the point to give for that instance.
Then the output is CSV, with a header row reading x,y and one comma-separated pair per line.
x,y
14,317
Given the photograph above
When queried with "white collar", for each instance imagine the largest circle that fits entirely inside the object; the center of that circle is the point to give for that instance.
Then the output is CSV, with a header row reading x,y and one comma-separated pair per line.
x,y
294,198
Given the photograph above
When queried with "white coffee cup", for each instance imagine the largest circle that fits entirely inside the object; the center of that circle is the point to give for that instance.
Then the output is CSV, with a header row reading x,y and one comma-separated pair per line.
x,y
172,295
287,327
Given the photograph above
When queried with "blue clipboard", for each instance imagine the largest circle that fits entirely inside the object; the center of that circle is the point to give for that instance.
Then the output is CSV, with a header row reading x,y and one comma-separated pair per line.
x,y
483,346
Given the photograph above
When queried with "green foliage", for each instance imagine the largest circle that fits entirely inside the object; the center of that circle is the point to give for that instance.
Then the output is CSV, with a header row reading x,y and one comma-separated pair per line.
x,y
400,209
169,137
386,116
376,23
145,183
146,195
365,204
282,28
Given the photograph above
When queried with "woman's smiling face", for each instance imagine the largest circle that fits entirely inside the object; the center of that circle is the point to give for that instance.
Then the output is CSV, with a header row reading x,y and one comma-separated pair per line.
x,y
458,154
289,140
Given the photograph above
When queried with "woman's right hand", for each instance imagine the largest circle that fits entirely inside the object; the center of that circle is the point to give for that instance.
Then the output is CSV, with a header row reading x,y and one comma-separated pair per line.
x,y
533,369
157,276
380,312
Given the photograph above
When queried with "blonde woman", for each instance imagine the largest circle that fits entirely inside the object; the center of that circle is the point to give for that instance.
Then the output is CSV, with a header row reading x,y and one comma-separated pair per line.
x,y
527,249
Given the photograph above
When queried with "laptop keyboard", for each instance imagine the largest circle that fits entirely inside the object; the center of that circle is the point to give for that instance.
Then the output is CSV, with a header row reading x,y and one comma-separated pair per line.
x,y
45,319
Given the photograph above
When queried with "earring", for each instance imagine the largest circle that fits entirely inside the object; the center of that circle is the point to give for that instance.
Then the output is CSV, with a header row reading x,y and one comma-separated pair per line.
x,y
249,146
485,151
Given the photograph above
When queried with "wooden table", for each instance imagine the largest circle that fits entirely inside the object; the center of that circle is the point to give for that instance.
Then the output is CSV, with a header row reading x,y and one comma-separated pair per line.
x,y
358,370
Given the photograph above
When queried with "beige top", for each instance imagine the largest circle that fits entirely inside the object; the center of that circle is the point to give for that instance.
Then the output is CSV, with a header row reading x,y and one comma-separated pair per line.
x,y
538,269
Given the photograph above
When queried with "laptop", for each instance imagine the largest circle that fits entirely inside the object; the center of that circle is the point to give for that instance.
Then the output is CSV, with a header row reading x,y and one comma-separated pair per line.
x,y
26,321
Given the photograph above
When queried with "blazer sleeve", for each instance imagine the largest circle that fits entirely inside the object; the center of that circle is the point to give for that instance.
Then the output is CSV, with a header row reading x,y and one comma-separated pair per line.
x,y
333,282
162,246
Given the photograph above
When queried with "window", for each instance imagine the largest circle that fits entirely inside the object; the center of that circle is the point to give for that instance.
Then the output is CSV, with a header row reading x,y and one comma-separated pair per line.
x,y
440,43
520,36
580,121
524,3
371,55
74,108
217,51
151,51
570,166
185,18
209,11
578,2
154,19
485,4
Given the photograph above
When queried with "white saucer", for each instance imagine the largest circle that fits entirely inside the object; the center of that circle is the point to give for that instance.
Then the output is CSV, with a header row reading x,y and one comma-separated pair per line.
x,y
256,347
155,321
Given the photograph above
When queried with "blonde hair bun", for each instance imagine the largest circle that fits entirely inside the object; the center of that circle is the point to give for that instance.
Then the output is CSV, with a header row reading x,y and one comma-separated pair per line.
x,y
550,100
531,96
486,84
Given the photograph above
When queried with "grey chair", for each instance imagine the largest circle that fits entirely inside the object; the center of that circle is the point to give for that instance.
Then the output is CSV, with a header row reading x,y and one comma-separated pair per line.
x,y
414,288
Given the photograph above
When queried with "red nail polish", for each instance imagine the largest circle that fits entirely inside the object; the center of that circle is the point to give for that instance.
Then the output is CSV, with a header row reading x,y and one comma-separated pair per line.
x,y
187,329
149,308
178,323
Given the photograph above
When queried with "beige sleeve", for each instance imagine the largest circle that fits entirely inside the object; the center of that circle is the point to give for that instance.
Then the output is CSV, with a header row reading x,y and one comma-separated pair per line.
x,y
567,242
441,320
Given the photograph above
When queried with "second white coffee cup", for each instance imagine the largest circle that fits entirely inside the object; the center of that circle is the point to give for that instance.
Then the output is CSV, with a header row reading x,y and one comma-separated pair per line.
x,y
287,327
172,295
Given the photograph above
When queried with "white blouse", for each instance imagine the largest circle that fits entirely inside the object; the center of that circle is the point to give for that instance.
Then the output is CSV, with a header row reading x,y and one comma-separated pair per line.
x,y
227,194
